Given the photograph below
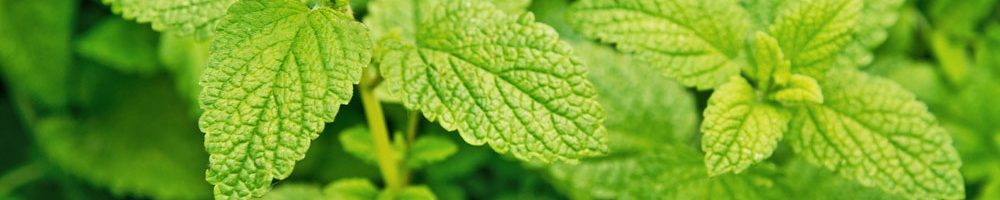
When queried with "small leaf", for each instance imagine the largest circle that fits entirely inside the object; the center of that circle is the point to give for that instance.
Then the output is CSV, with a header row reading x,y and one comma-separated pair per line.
x,y
36,49
813,32
295,192
183,16
123,45
429,149
799,90
498,79
409,193
739,130
694,41
277,72
358,142
770,61
874,132
351,189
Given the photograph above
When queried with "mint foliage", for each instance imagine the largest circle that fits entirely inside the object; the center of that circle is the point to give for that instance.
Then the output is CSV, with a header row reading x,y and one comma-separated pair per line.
x,y
348,189
738,129
695,42
496,78
873,131
277,71
197,17
799,51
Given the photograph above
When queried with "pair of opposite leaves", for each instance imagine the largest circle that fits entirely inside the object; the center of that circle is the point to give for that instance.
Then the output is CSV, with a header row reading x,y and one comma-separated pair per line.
x,y
866,128
279,70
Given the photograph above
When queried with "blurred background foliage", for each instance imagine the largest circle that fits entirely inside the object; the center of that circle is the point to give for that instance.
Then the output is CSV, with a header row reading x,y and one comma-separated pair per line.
x,y
93,106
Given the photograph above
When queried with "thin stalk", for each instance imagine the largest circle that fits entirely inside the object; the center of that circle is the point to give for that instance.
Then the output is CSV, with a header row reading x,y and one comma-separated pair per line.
x,y
20,176
380,135
413,124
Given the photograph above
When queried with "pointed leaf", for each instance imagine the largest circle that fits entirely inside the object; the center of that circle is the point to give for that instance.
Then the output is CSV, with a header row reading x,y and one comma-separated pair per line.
x,y
181,16
739,130
694,41
277,72
497,79
872,131
813,32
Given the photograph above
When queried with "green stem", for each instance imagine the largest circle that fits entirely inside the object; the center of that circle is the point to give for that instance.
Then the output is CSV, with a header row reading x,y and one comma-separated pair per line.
x,y
380,134
20,176
412,125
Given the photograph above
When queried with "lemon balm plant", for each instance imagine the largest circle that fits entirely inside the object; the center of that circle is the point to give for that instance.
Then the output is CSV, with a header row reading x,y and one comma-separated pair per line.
x,y
586,99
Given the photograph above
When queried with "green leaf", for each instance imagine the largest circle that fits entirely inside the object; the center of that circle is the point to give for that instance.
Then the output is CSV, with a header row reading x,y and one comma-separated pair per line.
x,y
498,79
770,62
123,45
357,141
36,51
739,130
666,172
813,32
409,193
696,42
351,189
632,106
141,145
805,181
512,6
180,16
429,149
874,132
800,90
295,192
277,72
875,17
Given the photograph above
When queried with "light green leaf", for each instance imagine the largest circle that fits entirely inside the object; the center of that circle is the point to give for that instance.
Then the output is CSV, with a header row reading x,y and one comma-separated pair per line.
x,y
739,130
351,189
632,106
813,32
277,72
429,149
666,172
874,132
295,192
770,61
988,49
181,16
800,90
497,79
358,142
35,48
696,42
136,146
409,193
875,17
123,45
512,6
400,18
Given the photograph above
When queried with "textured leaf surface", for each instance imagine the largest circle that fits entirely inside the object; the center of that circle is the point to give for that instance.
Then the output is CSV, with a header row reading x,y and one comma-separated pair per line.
x,y
181,16
35,48
812,32
872,131
803,180
497,79
136,146
738,129
277,72
123,45
696,42
799,90
870,31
